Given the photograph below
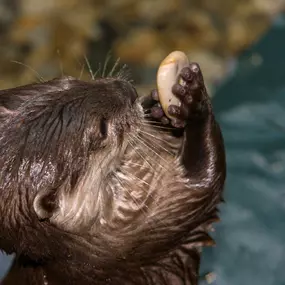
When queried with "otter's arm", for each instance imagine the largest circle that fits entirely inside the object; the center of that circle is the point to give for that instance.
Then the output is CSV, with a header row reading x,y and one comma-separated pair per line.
x,y
203,156
202,153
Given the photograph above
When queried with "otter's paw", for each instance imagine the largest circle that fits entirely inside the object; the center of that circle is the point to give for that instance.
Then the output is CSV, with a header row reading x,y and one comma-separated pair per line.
x,y
193,97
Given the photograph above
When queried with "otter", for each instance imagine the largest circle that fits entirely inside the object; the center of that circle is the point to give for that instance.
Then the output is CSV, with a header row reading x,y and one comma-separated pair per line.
x,y
98,186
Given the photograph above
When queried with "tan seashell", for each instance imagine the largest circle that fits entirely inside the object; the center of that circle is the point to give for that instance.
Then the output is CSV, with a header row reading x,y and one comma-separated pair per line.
x,y
167,76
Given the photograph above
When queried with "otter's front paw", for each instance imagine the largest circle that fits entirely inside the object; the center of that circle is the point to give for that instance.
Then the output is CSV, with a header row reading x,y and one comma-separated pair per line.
x,y
193,97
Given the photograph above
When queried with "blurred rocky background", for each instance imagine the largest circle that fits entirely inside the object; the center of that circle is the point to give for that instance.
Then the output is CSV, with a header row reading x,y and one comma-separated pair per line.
x,y
240,46
53,37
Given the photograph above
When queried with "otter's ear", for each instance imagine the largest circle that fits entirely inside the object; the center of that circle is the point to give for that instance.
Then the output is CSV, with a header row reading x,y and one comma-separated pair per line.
x,y
45,203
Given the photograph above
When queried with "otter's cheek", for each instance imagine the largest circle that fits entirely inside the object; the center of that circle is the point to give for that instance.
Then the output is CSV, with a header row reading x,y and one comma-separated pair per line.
x,y
167,76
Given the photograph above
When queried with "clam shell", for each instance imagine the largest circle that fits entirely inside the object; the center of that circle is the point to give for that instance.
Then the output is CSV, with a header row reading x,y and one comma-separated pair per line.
x,y
167,76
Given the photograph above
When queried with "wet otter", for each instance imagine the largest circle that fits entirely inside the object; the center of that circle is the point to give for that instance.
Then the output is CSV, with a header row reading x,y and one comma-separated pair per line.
x,y
95,190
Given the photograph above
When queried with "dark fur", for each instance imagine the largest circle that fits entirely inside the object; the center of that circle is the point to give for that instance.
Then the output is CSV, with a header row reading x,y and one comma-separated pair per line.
x,y
50,135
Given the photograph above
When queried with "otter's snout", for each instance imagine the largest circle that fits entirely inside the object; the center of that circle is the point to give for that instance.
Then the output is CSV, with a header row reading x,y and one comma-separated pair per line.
x,y
126,90
133,95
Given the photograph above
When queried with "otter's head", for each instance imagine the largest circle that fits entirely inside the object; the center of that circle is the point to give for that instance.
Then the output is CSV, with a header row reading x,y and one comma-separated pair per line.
x,y
60,142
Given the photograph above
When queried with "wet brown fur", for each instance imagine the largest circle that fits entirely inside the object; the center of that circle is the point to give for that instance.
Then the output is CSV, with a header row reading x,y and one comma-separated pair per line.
x,y
92,191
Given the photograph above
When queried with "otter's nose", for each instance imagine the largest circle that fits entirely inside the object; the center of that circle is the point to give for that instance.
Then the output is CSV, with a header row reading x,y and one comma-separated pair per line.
x,y
133,94
125,90
128,90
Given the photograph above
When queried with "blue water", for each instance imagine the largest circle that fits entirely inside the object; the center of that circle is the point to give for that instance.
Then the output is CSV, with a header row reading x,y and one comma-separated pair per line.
x,y
5,262
251,110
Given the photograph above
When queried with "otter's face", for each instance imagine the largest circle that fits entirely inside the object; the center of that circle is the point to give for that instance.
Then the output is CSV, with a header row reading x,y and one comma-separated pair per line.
x,y
58,148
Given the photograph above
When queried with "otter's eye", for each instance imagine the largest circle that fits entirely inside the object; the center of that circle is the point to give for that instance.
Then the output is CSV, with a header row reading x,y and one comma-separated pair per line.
x,y
103,128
